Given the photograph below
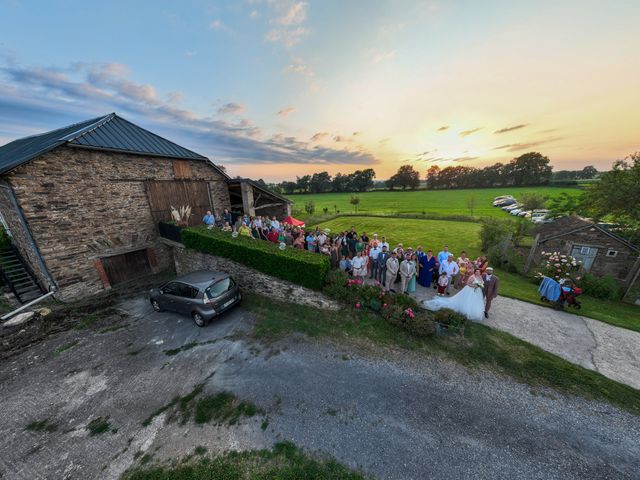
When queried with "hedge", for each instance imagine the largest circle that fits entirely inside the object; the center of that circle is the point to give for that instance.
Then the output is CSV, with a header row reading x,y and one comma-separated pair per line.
x,y
297,266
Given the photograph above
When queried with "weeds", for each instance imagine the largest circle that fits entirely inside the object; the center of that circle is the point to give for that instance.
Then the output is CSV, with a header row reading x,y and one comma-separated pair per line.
x,y
42,426
63,348
99,425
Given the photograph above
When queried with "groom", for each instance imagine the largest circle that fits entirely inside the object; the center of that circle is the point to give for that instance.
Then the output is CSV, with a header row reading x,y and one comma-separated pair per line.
x,y
490,290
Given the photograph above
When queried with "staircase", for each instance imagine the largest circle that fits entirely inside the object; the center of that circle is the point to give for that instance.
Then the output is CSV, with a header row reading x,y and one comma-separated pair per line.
x,y
17,275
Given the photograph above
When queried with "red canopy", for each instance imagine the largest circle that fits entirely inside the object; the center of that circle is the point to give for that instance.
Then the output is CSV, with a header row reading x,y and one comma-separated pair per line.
x,y
292,221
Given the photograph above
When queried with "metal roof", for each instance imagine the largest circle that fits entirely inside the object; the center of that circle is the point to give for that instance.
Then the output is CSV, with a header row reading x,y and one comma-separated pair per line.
x,y
110,132
234,181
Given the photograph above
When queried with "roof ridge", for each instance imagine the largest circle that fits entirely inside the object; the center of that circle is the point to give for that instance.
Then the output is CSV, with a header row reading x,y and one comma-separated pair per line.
x,y
160,137
89,128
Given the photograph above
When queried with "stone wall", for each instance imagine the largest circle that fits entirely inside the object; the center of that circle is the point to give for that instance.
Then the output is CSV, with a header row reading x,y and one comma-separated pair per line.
x,y
250,280
83,204
21,237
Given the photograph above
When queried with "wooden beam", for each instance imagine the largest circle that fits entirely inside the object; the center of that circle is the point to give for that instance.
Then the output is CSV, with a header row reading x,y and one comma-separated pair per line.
x,y
267,205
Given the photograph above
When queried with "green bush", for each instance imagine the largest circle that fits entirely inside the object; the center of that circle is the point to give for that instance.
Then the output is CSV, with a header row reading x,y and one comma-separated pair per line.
x,y
605,287
5,240
450,318
297,266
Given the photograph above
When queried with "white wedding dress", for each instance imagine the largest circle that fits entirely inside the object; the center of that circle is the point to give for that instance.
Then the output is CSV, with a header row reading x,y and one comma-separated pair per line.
x,y
468,301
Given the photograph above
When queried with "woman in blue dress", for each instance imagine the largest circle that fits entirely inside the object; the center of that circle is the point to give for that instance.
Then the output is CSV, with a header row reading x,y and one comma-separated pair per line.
x,y
411,286
427,267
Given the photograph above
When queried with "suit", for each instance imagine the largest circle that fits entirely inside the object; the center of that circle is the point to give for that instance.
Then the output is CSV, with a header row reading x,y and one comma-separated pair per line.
x,y
490,290
392,271
382,266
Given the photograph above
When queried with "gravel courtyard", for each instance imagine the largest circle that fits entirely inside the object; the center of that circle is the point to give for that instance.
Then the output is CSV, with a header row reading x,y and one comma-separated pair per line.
x,y
390,413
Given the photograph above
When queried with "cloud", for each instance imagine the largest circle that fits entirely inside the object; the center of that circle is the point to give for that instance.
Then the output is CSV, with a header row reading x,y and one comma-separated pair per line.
x,y
254,14
356,134
384,140
462,159
286,37
231,108
340,138
516,147
285,112
289,16
381,56
443,128
292,14
298,66
510,129
175,97
320,136
190,53
36,99
218,25
466,133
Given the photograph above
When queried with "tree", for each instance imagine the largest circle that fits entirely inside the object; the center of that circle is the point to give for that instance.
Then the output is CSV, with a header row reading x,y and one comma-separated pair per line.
x,y
355,201
530,169
564,205
303,183
320,182
617,193
288,187
432,176
340,183
588,172
471,202
405,177
532,201
310,207
362,180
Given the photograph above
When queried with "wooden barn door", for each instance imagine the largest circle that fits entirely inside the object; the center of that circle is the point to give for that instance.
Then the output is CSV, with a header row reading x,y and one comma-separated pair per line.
x,y
120,268
163,194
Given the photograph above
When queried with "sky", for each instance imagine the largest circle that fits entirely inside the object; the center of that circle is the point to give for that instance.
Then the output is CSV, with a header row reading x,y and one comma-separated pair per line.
x,y
276,89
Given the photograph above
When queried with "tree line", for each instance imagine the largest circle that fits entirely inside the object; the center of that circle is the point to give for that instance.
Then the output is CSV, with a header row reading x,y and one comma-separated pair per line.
x,y
526,170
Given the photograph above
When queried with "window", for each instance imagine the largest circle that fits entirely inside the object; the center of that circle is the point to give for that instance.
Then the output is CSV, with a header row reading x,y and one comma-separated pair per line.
x,y
171,288
584,250
612,253
220,287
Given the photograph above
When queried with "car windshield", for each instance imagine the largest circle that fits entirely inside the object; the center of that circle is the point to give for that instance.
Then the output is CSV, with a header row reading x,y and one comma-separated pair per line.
x,y
218,288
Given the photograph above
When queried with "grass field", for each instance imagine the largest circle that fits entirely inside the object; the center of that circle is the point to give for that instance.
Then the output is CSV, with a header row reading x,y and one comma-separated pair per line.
x,y
432,234
435,202
465,236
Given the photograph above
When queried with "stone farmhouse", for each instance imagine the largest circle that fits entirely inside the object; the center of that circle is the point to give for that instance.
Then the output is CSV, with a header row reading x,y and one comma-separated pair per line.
x,y
601,251
82,204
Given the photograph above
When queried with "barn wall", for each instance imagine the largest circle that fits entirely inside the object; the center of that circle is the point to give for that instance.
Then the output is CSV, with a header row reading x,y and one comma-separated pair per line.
x,y
84,204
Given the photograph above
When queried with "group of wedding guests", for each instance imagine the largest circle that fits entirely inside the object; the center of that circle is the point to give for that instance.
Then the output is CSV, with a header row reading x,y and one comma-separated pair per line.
x,y
397,269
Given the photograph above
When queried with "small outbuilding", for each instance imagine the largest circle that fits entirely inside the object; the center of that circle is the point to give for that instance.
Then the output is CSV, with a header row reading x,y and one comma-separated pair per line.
x,y
601,251
82,204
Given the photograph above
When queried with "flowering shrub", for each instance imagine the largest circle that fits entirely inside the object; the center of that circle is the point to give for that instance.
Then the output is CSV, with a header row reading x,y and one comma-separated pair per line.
x,y
558,266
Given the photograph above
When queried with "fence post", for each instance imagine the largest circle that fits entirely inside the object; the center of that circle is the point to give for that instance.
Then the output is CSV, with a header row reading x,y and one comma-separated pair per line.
x,y
527,265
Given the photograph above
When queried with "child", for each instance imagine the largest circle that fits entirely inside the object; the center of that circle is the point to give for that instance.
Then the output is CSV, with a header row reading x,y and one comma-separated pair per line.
x,y
443,281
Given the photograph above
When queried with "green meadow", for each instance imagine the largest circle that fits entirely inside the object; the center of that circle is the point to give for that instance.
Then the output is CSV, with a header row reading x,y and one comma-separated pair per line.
x,y
435,202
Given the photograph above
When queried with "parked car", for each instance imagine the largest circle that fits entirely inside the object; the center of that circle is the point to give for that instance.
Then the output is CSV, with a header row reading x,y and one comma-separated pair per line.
x,y
515,211
504,202
502,197
511,207
202,295
524,213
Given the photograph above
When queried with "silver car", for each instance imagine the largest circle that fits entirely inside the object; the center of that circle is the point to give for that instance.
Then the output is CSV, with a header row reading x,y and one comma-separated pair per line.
x,y
202,295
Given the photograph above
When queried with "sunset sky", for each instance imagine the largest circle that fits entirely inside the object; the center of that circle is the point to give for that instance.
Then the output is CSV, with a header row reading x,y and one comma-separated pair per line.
x,y
278,88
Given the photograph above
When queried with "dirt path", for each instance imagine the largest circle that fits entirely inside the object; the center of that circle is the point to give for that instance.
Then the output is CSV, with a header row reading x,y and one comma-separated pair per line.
x,y
610,350
391,413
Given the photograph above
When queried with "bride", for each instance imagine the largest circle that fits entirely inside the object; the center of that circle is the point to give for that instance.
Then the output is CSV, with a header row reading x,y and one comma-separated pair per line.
x,y
469,301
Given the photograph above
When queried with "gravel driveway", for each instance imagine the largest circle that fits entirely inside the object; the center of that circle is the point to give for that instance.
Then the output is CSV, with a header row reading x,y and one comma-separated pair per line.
x,y
393,414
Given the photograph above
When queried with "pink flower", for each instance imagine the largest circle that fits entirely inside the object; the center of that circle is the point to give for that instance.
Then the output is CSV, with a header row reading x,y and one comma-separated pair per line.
x,y
358,305
384,305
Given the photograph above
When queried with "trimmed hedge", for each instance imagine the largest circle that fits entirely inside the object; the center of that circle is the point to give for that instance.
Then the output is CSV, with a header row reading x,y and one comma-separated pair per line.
x,y
296,266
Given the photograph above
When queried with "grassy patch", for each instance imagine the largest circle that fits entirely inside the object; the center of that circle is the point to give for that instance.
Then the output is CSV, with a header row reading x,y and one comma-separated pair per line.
x,y
264,424
187,346
86,322
113,328
482,347
435,202
42,426
133,353
200,450
284,461
223,408
98,425
63,348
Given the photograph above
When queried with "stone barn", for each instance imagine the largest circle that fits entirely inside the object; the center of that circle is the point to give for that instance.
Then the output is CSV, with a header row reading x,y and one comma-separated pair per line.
x,y
81,204
601,251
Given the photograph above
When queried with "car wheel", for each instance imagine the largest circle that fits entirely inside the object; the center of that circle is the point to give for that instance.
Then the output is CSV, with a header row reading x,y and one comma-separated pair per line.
x,y
197,318
156,305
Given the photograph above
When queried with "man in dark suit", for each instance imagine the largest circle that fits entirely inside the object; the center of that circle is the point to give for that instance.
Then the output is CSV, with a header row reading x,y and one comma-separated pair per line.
x,y
490,290
382,265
